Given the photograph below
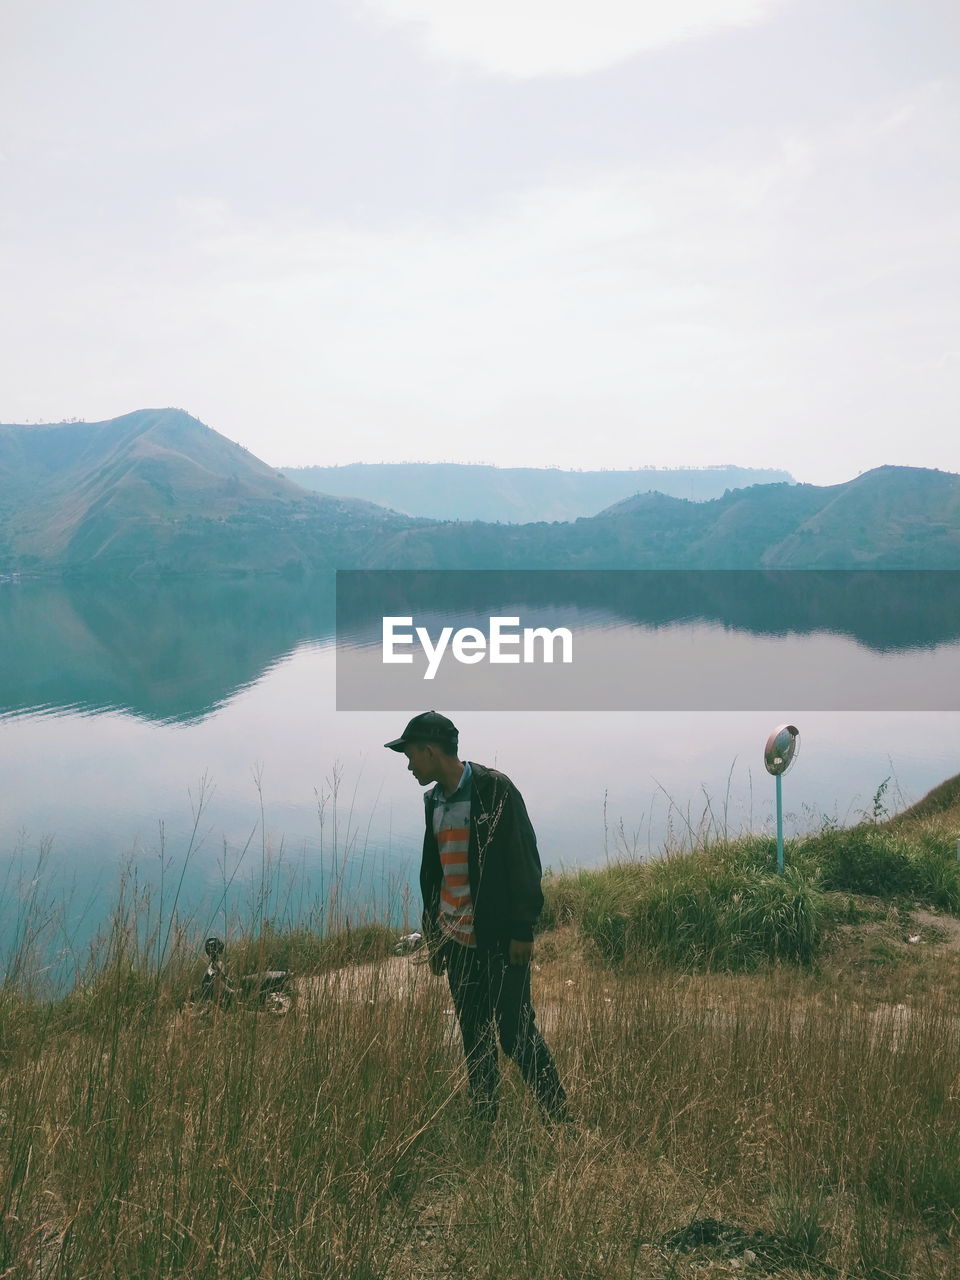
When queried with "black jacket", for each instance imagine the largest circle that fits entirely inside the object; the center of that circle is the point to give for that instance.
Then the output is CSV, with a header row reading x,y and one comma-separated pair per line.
x,y
502,860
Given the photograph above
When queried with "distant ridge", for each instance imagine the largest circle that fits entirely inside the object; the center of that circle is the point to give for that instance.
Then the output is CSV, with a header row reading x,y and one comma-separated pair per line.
x,y
517,495
888,518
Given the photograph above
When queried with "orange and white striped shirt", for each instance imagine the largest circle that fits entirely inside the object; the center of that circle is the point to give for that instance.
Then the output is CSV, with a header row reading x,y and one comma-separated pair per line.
x,y
451,826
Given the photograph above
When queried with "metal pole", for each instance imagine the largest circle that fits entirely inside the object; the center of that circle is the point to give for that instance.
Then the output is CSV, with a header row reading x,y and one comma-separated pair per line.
x,y
779,827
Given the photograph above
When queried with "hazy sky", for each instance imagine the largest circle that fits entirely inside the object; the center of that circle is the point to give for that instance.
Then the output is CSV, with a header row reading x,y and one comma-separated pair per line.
x,y
584,232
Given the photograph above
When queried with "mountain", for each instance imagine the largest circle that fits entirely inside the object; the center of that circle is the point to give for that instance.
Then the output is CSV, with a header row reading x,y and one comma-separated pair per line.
x,y
891,517
157,491
515,495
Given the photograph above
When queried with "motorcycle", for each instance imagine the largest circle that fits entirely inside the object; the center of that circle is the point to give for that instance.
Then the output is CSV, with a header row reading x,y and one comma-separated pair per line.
x,y
264,992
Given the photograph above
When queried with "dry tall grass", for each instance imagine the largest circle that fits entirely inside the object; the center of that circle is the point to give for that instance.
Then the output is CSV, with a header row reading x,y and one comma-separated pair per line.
x,y
773,1118
793,1126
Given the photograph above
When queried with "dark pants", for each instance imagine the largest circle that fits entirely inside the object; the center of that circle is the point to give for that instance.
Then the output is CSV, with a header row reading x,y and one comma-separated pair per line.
x,y
489,992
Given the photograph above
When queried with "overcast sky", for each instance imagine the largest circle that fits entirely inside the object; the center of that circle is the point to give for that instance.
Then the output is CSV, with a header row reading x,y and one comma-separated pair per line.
x,y
591,233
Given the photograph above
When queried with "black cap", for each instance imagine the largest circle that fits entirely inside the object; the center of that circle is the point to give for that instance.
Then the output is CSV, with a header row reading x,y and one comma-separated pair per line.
x,y
428,726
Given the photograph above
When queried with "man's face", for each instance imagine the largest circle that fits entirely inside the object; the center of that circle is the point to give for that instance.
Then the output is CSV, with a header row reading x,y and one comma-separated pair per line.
x,y
422,761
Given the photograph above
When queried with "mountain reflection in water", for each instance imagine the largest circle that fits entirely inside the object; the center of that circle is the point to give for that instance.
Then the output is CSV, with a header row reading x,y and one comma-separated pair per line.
x,y
177,651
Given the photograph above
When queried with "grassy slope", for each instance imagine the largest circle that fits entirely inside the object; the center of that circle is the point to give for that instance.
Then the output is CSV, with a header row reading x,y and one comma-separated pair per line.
x,y
154,485
903,505
939,806
792,1121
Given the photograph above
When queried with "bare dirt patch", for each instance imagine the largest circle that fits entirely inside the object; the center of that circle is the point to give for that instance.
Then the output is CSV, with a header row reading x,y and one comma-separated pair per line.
x,y
945,929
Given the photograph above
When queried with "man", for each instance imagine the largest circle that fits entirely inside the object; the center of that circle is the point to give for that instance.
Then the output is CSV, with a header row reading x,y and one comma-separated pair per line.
x,y
480,880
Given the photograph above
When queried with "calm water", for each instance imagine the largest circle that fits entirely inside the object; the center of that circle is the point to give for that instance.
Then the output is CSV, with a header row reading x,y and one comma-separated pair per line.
x,y
121,710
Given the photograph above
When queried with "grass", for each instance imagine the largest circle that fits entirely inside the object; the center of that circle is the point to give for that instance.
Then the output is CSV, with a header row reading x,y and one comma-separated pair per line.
x,y
765,1071
140,1142
724,907
918,863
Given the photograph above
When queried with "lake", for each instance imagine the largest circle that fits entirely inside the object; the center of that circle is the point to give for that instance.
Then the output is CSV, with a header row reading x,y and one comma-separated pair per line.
x,y
184,738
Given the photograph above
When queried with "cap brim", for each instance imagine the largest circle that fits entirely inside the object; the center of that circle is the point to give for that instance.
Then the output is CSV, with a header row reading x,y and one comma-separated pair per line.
x,y
397,744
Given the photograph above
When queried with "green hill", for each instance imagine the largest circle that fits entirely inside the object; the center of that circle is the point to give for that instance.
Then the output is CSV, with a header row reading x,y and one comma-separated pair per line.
x,y
891,517
158,491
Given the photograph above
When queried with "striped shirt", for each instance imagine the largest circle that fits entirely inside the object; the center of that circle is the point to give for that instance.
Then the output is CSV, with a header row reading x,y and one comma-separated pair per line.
x,y
451,826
